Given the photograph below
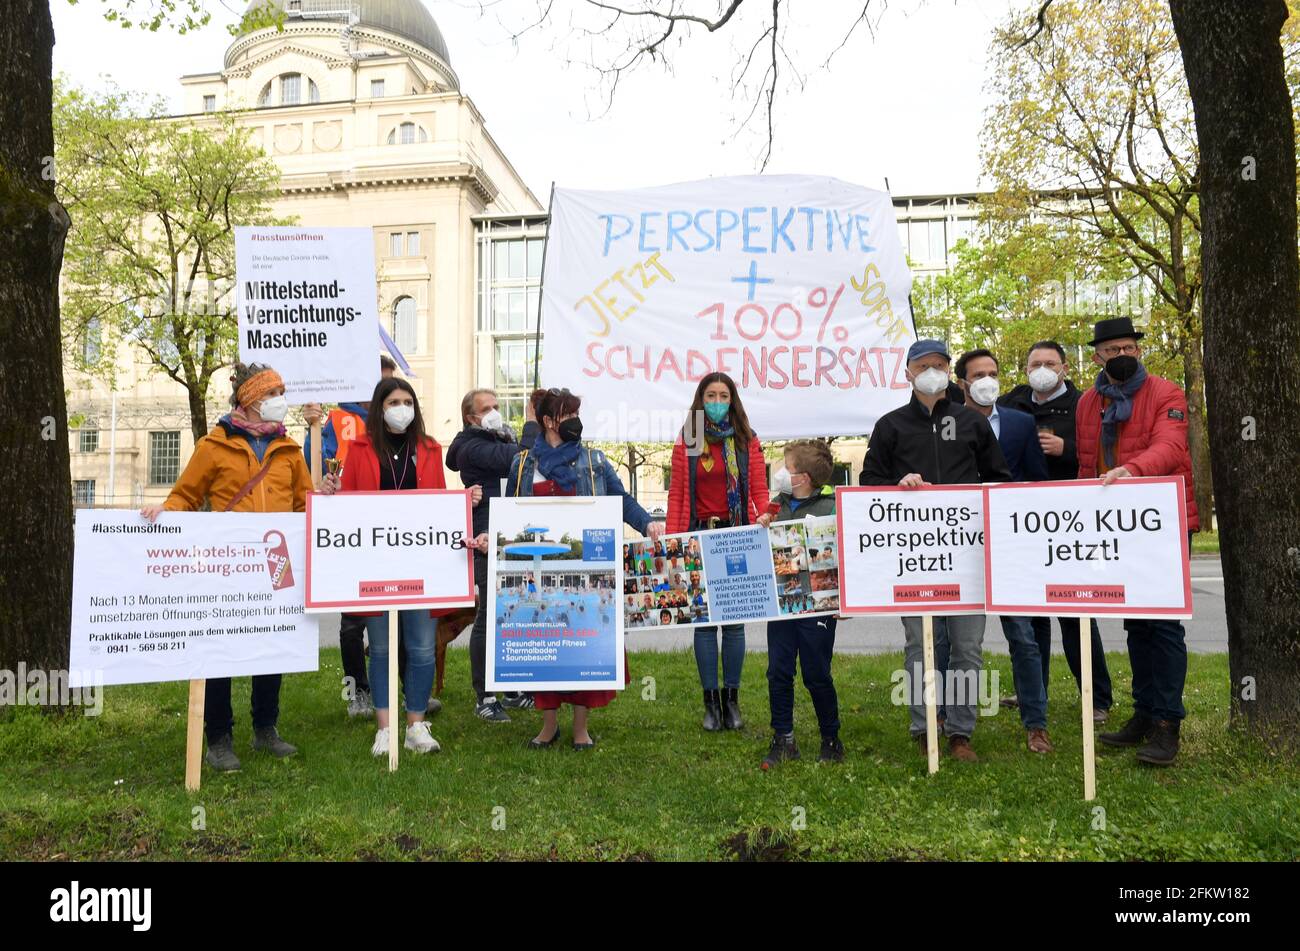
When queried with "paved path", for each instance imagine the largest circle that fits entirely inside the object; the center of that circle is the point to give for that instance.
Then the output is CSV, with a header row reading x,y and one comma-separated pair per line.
x,y
1207,632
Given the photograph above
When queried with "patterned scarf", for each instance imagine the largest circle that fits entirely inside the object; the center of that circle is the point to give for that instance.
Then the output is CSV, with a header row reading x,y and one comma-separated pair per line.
x,y
239,420
725,433
1120,408
556,462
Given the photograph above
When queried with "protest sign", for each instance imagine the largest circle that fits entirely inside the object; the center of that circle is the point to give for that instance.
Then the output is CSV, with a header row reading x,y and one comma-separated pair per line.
x,y
1079,548
389,550
911,551
553,580
191,596
732,575
796,286
307,306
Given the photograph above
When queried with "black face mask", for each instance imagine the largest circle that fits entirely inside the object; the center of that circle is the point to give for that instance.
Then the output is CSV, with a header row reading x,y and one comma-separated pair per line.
x,y
570,430
1121,368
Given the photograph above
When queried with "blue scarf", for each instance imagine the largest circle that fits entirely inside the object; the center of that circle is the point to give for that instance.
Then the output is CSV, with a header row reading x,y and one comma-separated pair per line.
x,y
725,433
556,462
1120,408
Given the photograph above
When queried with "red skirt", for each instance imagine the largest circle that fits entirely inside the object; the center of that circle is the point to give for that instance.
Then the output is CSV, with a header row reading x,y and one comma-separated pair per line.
x,y
553,699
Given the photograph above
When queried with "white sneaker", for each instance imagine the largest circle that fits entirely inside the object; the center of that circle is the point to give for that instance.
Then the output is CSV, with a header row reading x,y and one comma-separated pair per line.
x,y
419,739
380,747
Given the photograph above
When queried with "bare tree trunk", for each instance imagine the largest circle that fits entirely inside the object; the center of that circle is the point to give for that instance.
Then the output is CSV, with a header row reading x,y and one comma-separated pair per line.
x,y
1233,59
198,413
36,545
1198,432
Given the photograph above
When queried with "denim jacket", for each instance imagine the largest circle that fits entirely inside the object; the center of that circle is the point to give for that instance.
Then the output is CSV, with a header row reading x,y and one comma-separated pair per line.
x,y
595,477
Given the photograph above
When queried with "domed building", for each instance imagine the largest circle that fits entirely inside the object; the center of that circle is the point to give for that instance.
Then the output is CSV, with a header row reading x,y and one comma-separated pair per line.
x,y
359,106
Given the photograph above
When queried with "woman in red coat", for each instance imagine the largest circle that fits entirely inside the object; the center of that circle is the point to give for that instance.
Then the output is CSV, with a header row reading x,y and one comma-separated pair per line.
x,y
718,480
397,455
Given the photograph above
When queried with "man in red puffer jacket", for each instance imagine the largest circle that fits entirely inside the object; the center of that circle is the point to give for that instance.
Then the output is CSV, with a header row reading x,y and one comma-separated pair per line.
x,y
1133,424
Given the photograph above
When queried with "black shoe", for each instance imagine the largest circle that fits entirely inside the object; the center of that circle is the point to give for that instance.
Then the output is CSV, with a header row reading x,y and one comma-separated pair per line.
x,y
518,701
782,749
1133,733
832,750
536,744
712,711
1163,745
731,710
585,746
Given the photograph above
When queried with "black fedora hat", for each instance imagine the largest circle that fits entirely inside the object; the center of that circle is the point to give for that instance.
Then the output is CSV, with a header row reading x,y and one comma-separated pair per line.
x,y
1113,328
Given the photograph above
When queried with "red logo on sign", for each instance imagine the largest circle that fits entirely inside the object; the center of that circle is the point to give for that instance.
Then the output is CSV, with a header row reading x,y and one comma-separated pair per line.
x,y
277,561
379,589
1098,593
917,593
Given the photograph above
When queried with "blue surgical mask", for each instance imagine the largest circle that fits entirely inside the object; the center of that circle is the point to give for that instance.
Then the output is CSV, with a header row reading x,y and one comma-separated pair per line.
x,y
717,412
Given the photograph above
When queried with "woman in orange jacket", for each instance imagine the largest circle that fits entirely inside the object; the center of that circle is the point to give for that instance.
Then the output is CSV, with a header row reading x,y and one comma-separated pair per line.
x,y
395,455
718,480
245,464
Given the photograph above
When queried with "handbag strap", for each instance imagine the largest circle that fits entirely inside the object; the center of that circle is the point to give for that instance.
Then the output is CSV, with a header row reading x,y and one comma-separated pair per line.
x,y
249,486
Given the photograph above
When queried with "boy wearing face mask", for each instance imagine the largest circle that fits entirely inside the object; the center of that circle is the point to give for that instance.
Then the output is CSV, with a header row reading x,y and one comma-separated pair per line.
x,y
933,441
1132,424
803,491
482,453
1052,399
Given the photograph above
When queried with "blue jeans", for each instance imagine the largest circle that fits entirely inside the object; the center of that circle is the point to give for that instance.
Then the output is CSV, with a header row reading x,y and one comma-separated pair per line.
x,y
1101,689
218,715
1157,652
420,633
733,655
1027,671
812,641
960,637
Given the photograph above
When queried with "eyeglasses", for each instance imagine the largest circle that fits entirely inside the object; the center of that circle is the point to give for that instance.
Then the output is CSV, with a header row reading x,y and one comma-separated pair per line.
x,y
1128,350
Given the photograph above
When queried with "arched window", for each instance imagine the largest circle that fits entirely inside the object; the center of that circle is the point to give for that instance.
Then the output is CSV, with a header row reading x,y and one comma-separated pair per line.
x,y
290,90
264,97
404,320
407,133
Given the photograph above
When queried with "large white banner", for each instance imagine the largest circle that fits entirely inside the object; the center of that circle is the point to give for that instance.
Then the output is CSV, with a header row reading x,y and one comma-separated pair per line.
x,y
193,595
911,551
796,286
307,306
389,550
1081,548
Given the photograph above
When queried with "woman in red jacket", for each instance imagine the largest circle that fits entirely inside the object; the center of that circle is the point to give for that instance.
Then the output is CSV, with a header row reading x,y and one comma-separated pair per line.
x,y
396,455
718,480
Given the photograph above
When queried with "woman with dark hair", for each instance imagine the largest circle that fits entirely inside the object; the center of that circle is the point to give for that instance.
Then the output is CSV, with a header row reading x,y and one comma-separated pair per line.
x,y
394,455
558,464
718,481
245,464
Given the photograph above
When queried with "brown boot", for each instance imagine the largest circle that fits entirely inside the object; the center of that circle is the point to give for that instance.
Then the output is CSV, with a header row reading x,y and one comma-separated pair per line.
x,y
959,748
1038,742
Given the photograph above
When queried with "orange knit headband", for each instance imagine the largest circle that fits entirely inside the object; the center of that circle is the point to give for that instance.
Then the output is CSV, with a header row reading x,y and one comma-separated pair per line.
x,y
257,386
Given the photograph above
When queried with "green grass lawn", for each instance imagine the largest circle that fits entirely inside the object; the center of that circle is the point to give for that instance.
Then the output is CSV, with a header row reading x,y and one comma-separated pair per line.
x,y
656,786
1205,543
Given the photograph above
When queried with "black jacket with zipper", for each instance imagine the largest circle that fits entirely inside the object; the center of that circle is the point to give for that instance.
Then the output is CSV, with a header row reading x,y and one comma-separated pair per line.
x,y
483,457
952,445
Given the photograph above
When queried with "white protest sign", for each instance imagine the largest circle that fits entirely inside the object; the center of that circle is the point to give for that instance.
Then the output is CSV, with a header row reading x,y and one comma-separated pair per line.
x,y
193,595
389,550
1081,548
307,306
911,551
796,286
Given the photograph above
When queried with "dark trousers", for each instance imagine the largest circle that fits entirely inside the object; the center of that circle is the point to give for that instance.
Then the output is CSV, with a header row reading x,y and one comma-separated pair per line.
x,y
352,644
811,641
1101,689
1157,652
478,636
219,718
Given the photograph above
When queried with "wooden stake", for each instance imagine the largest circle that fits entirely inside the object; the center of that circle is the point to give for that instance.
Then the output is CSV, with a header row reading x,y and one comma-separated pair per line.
x,y
194,736
395,716
1085,701
315,455
928,692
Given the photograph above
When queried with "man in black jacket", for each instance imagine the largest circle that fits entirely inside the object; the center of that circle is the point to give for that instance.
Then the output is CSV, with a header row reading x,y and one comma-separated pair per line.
x,y
1051,398
933,441
482,453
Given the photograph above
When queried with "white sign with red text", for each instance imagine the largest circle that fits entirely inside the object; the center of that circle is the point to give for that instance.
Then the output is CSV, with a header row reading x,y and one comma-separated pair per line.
x,y
391,549
911,551
191,596
1083,549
